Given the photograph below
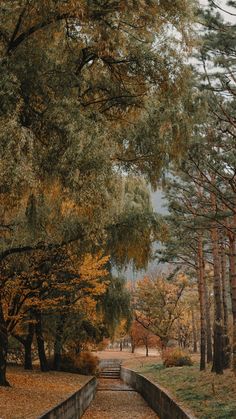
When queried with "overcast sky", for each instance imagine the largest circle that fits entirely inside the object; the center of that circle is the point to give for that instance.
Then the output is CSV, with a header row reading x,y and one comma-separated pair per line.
x,y
223,5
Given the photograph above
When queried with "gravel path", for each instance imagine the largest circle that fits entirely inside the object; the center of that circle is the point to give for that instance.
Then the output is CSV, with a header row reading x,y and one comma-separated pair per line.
x,y
117,403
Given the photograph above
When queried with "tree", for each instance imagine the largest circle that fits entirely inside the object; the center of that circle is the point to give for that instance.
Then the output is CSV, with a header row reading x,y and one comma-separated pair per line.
x,y
158,304
201,198
140,336
218,65
73,78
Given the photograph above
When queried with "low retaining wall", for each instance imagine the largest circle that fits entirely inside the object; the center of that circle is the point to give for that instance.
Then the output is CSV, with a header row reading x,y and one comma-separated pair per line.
x,y
157,398
75,405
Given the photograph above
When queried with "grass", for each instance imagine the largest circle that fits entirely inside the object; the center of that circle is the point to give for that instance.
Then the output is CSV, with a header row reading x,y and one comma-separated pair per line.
x,y
207,395
32,392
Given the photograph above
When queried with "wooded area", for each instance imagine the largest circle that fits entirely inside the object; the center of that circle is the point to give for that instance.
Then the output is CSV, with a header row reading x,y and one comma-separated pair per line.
x,y
102,101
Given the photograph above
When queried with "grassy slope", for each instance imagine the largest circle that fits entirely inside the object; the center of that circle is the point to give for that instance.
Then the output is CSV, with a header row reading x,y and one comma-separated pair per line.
x,y
207,395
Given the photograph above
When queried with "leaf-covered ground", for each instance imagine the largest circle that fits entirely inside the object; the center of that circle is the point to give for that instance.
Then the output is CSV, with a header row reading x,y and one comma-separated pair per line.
x,y
207,395
115,400
33,392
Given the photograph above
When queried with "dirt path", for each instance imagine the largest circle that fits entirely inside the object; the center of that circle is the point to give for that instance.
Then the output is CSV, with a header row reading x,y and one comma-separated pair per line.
x,y
115,400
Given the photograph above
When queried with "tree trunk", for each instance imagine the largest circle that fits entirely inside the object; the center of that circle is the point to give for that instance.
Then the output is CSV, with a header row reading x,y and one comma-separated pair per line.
x,y
58,343
226,341
28,348
194,331
146,346
132,346
3,348
40,342
208,324
218,318
232,261
121,345
201,279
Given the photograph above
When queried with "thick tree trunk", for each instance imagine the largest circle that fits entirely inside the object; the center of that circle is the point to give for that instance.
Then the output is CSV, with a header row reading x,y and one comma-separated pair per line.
x,y
40,342
226,341
208,324
232,261
194,331
58,343
201,279
3,348
28,347
218,318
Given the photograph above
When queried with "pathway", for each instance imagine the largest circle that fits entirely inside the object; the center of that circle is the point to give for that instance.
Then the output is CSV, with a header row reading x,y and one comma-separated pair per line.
x,y
116,400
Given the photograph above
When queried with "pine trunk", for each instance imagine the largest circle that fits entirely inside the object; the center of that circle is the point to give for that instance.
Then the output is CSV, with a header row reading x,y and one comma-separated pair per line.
x,y
218,318
226,341
232,261
208,324
194,331
201,279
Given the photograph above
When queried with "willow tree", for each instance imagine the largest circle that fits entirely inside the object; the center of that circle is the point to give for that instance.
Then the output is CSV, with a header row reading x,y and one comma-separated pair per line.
x,y
73,78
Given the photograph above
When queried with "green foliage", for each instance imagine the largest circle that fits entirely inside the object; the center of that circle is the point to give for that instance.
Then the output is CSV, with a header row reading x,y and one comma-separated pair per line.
x,y
116,305
75,77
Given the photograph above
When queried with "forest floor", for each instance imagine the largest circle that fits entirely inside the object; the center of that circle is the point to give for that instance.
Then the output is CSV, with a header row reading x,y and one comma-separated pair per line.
x,y
32,392
207,395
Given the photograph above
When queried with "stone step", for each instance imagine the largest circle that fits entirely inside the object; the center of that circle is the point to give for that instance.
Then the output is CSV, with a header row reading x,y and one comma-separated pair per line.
x,y
109,374
108,370
115,374
105,374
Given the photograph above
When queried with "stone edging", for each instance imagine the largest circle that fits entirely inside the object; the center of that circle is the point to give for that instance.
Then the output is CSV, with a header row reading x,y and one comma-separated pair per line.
x,y
157,398
75,405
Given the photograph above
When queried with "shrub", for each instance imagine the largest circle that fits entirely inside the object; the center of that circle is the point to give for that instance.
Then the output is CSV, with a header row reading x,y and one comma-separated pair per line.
x,y
85,363
175,357
103,345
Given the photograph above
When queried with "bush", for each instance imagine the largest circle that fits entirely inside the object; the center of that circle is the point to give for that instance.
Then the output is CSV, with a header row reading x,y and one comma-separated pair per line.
x,y
176,358
85,363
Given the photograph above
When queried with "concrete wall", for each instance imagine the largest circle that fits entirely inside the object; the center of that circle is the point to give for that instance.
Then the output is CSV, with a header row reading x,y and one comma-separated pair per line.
x,y
75,405
157,398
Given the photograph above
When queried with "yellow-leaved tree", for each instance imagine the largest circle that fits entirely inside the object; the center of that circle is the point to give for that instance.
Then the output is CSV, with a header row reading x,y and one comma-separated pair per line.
x,y
158,304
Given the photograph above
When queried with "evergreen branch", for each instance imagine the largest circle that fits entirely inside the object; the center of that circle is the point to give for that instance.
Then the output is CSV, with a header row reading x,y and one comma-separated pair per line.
x,y
222,9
